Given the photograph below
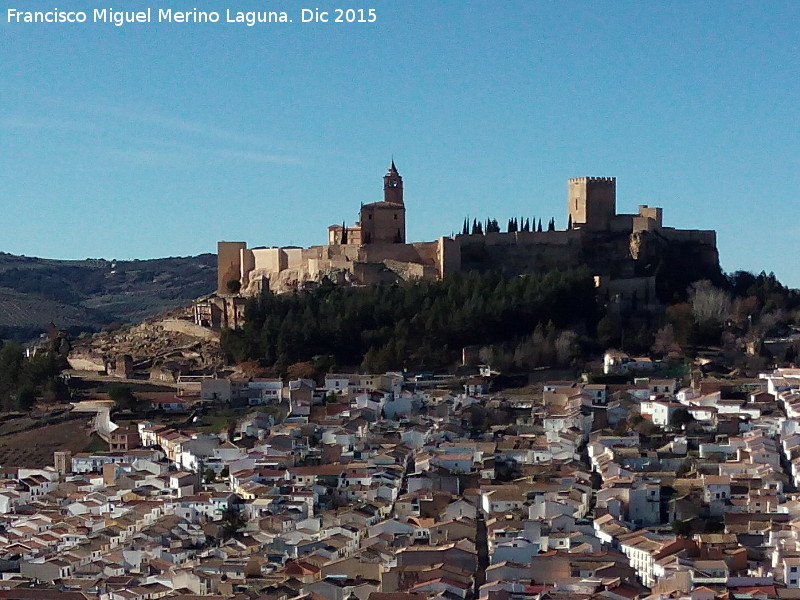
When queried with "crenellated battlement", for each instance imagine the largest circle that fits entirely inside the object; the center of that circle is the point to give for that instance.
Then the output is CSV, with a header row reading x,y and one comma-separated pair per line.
x,y
593,179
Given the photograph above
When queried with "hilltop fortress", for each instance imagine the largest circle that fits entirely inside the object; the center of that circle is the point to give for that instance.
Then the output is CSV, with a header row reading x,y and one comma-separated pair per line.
x,y
622,250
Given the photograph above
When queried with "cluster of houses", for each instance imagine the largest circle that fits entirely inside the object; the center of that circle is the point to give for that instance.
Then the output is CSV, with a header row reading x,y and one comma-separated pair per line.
x,y
387,487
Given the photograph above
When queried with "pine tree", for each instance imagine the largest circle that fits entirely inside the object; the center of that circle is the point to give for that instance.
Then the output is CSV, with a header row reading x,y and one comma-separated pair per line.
x,y
540,225
551,226
569,222
474,226
344,233
465,229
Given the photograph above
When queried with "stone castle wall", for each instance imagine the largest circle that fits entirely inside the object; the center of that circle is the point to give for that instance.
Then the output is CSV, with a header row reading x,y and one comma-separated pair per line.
x,y
521,251
284,268
691,236
424,253
612,253
189,328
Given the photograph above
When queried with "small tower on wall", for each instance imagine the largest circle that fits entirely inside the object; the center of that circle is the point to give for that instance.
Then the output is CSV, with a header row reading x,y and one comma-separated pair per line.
x,y
62,461
393,186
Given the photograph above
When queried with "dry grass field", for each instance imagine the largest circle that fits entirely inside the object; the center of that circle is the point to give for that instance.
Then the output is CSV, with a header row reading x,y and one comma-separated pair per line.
x,y
35,447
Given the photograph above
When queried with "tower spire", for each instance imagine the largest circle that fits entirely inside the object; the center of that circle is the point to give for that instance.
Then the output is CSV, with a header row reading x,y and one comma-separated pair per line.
x,y
393,185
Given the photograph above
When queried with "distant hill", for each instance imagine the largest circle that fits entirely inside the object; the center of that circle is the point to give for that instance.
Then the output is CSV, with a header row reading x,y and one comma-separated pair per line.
x,y
86,295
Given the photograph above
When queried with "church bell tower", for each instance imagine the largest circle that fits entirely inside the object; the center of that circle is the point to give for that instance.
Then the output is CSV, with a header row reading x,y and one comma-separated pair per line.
x,y
385,222
393,186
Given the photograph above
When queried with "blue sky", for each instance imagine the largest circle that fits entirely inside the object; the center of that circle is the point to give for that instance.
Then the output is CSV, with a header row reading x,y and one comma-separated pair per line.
x,y
159,140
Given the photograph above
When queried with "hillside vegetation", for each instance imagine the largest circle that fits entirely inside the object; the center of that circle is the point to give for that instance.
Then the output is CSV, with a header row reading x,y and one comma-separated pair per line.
x,y
86,295
419,324
521,322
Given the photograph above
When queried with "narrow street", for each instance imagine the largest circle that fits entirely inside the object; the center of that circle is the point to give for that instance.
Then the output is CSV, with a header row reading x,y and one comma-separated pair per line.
x,y
482,545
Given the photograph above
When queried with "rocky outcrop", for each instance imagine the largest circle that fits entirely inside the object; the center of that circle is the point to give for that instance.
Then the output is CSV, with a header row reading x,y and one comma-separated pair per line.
x,y
85,359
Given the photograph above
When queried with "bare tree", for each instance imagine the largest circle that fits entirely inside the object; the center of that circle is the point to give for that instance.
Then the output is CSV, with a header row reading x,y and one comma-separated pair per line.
x,y
565,346
486,355
709,304
766,323
664,342
742,310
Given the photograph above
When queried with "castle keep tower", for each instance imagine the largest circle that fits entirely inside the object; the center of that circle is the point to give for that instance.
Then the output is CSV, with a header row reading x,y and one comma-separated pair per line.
x,y
385,222
592,202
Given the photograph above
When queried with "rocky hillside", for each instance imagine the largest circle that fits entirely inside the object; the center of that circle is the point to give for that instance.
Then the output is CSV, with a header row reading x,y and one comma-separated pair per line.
x,y
86,295
169,342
